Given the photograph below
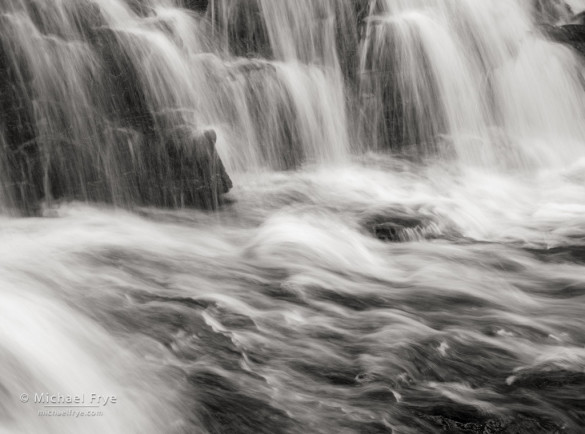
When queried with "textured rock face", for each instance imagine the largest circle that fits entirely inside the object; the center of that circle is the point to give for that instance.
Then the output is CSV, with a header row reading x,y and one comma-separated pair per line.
x,y
197,5
80,118
552,11
562,21
20,159
572,35
198,176
270,104
244,29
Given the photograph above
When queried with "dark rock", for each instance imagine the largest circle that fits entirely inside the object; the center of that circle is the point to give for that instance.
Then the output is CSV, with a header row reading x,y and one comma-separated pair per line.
x,y
483,425
273,112
397,226
85,17
568,33
122,81
198,176
349,19
550,379
182,170
243,23
128,158
88,18
197,5
389,114
388,231
20,159
572,35
139,7
551,11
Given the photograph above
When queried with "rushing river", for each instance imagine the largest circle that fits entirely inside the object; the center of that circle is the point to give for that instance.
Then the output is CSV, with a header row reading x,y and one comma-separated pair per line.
x,y
402,251
282,313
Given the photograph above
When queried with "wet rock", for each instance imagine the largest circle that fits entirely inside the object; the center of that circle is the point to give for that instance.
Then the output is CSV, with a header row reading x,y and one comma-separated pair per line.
x,y
328,373
22,176
197,174
272,110
85,17
399,226
124,154
88,18
551,11
197,5
362,10
483,425
388,231
572,35
388,112
125,93
243,23
139,7
550,379
20,155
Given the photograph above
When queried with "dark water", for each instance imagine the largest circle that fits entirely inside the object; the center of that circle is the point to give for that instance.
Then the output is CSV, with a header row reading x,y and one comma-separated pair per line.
x,y
283,313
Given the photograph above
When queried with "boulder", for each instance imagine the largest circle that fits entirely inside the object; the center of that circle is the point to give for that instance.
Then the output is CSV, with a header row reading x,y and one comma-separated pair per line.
x,y
403,225
196,5
520,423
183,169
197,174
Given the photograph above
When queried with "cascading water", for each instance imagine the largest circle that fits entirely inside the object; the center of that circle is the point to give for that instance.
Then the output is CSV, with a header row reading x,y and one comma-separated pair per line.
x,y
402,248
475,74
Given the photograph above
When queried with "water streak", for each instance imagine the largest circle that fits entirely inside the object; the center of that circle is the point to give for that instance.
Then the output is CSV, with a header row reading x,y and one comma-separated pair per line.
x,y
402,249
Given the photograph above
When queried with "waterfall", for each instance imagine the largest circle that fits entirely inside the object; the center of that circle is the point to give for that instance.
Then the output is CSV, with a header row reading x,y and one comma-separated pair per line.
x,y
96,92
292,216
477,75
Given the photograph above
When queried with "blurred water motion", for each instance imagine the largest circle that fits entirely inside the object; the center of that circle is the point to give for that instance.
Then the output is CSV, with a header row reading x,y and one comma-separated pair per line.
x,y
402,250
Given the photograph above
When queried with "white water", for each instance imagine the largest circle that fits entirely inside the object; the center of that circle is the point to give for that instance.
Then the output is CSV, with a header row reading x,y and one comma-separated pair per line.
x,y
480,74
90,296
282,312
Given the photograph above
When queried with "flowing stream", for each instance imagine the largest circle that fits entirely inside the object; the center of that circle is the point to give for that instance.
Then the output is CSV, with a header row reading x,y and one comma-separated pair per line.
x,y
402,251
